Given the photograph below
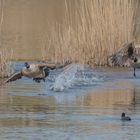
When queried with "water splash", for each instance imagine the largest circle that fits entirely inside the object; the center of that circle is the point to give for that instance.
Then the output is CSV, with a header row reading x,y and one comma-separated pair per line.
x,y
75,75
10,68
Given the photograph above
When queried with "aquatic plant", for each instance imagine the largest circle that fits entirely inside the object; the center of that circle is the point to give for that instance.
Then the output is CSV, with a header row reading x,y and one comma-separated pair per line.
x,y
91,30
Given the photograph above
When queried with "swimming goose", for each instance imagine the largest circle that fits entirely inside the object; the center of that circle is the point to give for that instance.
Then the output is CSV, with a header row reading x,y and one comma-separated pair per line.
x,y
36,71
126,56
125,118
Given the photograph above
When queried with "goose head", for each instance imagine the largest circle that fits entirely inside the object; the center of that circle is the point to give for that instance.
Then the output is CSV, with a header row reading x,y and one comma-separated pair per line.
x,y
27,65
134,59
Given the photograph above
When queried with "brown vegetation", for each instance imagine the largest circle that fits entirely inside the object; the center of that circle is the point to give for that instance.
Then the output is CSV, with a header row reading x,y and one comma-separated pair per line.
x,y
91,31
4,62
5,54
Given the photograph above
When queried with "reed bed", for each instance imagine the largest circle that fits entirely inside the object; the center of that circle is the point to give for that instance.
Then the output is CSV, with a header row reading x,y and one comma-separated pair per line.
x,y
5,64
90,31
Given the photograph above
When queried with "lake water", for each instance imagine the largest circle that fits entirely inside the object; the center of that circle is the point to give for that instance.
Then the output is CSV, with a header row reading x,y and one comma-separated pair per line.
x,y
80,103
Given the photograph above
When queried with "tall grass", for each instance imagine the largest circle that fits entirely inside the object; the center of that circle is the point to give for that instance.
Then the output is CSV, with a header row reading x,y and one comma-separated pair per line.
x,y
5,54
1,14
90,31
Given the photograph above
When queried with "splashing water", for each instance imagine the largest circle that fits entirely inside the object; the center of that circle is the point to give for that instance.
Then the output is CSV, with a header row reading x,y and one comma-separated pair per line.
x,y
66,78
10,68
74,75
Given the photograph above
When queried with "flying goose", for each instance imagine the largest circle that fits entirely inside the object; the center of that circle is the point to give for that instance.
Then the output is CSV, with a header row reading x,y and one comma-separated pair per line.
x,y
126,56
36,71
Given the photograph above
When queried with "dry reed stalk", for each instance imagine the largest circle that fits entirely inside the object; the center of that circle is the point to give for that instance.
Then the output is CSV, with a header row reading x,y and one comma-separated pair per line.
x,y
92,30
1,14
5,56
3,52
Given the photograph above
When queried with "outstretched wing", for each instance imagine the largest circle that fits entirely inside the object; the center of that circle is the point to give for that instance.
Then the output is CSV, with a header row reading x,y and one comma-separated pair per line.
x,y
14,77
121,56
59,66
53,66
50,66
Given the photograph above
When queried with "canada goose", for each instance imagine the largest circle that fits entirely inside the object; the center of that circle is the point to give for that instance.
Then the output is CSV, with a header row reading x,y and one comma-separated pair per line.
x,y
121,57
125,118
126,56
36,71
135,63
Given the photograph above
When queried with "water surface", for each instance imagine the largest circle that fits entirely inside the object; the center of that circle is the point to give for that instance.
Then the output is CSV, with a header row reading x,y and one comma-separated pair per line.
x,y
86,105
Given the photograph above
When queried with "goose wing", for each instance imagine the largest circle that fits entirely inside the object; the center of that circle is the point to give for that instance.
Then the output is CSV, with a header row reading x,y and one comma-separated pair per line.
x,y
121,56
53,66
50,66
14,77
66,63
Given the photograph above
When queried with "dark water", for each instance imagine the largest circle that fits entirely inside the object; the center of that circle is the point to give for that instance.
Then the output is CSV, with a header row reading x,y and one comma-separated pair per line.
x,y
86,105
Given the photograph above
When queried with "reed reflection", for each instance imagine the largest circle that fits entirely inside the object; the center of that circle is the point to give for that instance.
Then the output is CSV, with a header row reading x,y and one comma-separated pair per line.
x,y
112,97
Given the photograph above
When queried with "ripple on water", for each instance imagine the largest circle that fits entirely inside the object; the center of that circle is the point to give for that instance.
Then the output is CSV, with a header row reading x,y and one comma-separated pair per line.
x,y
88,108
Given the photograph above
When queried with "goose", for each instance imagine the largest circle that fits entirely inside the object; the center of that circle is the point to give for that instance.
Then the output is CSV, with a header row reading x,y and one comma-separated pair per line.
x,y
37,72
125,118
135,63
126,56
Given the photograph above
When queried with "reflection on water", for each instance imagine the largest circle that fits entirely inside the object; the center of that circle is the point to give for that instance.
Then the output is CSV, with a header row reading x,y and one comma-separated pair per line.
x,y
32,111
